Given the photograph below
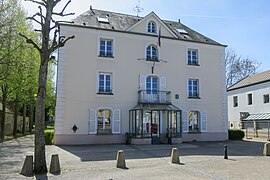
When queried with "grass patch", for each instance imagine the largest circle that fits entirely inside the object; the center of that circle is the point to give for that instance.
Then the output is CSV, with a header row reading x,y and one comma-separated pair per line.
x,y
19,134
49,127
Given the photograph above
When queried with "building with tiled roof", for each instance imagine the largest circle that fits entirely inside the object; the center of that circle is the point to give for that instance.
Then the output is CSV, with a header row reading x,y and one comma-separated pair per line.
x,y
139,80
248,101
251,80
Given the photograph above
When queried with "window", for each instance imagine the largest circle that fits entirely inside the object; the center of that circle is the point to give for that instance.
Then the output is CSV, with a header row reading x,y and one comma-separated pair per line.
x,y
192,57
151,85
235,101
151,53
152,27
106,48
193,121
193,88
105,83
249,96
104,121
266,98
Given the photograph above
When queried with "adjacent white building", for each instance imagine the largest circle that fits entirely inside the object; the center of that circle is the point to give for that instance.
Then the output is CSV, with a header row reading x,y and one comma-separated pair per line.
x,y
248,101
151,80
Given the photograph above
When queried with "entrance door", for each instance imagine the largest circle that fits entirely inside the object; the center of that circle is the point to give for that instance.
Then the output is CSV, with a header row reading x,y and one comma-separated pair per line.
x,y
155,127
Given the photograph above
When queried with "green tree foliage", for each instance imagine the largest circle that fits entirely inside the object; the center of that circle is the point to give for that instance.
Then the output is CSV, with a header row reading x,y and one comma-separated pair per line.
x,y
19,63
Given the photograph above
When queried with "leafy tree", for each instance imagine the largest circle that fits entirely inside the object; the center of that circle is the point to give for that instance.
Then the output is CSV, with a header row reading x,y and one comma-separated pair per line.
x,y
238,67
19,61
11,17
45,48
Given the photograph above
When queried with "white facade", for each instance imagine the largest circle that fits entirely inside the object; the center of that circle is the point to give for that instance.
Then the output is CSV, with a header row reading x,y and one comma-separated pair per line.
x,y
258,105
84,75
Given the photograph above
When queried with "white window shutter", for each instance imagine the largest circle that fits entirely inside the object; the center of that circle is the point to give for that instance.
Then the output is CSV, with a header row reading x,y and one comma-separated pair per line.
x,y
162,83
204,121
142,81
162,87
92,125
184,121
116,121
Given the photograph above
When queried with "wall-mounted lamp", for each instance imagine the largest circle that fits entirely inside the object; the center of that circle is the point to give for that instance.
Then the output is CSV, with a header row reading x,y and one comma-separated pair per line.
x,y
74,128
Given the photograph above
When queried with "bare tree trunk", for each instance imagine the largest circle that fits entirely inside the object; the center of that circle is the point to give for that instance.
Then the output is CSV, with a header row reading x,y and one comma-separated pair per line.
x,y
24,118
40,160
45,56
3,122
15,117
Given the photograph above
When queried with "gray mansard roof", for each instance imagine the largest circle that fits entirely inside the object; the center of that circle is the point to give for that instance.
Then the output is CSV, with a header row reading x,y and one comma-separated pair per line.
x,y
251,80
121,22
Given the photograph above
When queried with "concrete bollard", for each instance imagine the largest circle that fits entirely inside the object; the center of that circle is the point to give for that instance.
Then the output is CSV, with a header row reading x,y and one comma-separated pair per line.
x,y
27,169
175,156
266,149
121,163
55,164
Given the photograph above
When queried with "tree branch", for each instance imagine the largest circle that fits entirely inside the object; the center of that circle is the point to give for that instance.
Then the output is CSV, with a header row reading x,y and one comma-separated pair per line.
x,y
43,3
62,12
56,2
34,19
54,43
57,22
61,43
30,41
41,15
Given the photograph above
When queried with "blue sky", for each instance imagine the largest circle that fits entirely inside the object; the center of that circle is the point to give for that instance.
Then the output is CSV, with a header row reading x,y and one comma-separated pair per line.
x,y
243,25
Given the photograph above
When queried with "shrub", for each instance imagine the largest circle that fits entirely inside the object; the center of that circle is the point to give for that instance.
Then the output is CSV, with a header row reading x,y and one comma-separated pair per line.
x,y
49,136
236,134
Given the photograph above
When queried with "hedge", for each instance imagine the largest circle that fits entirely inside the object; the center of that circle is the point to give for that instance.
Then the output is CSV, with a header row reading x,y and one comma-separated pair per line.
x,y
49,136
236,134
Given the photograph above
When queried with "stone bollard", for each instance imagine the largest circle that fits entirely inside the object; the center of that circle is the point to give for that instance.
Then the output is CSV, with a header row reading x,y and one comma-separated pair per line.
x,y
266,149
121,163
27,169
175,156
55,164
225,152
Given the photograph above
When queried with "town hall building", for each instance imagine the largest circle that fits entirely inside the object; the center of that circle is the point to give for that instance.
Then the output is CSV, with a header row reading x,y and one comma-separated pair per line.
x,y
141,80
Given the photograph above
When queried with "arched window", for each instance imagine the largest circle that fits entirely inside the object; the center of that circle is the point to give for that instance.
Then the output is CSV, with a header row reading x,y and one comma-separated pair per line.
x,y
104,121
151,53
152,27
151,85
194,121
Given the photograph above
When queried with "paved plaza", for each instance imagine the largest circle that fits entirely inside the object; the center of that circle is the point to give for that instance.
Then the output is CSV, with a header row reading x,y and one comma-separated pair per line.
x,y
199,160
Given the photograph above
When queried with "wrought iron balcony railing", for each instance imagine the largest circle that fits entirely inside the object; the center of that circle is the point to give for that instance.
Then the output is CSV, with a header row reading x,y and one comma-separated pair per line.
x,y
154,96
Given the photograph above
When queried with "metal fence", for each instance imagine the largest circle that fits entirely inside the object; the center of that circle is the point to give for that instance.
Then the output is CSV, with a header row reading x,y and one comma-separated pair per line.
x,y
257,129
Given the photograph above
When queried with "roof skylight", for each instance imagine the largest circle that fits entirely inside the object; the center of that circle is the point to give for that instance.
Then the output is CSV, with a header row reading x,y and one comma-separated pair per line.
x,y
182,31
103,19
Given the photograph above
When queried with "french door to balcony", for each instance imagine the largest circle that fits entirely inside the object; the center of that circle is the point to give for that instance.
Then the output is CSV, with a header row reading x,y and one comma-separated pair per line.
x,y
152,88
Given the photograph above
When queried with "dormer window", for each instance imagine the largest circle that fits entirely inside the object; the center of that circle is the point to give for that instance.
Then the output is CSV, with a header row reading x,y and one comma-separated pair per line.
x,y
151,53
152,27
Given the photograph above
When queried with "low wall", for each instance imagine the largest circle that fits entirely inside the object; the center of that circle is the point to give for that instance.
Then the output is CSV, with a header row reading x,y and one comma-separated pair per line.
x,y
10,123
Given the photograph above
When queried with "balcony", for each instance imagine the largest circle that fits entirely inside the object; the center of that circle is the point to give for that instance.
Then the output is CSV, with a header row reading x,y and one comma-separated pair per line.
x,y
153,96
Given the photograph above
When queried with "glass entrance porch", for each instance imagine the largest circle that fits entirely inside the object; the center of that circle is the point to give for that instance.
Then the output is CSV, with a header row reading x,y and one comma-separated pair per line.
x,y
155,124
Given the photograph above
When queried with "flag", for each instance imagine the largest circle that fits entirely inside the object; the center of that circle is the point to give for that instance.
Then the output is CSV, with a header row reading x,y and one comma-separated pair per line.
x,y
159,36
